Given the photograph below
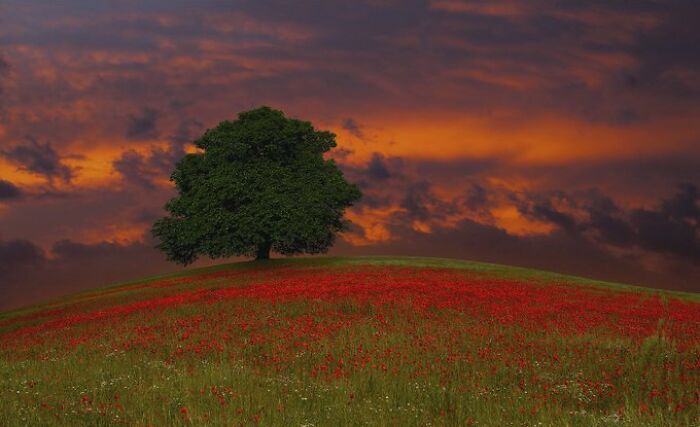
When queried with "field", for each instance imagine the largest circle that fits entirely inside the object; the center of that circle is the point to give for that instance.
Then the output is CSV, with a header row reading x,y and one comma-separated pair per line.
x,y
355,341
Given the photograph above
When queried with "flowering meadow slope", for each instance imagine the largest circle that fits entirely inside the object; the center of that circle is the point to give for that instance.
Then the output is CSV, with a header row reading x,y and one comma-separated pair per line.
x,y
355,341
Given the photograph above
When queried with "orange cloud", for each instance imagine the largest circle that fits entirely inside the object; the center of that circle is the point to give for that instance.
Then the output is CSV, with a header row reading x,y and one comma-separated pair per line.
x,y
512,221
374,224
122,233
537,139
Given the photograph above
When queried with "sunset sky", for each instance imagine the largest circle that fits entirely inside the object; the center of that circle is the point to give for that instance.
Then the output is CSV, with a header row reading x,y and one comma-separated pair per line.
x,y
562,135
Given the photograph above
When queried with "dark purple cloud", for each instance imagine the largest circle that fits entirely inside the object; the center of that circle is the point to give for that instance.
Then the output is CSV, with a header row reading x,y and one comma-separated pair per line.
x,y
9,191
543,210
671,228
353,127
143,170
143,125
40,159
377,168
476,197
18,255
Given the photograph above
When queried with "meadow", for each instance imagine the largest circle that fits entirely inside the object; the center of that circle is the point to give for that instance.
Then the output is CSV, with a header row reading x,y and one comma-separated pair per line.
x,y
355,341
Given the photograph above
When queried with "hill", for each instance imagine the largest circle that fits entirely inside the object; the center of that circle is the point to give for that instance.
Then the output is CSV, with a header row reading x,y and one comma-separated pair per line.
x,y
355,341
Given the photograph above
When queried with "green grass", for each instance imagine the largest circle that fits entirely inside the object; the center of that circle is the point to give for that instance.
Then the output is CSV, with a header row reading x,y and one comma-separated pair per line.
x,y
498,270
275,363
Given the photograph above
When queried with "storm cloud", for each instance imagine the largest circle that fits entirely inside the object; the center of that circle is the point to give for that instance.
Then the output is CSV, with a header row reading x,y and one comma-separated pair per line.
x,y
143,125
671,228
9,191
40,159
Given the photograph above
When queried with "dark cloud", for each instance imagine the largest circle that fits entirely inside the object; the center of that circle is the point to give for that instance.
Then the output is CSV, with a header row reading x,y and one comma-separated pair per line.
x,y
417,199
353,127
420,202
142,169
380,174
668,61
18,255
684,205
146,216
135,168
541,209
396,181
40,159
672,228
186,132
9,191
608,221
476,197
377,169
143,125
658,233
29,276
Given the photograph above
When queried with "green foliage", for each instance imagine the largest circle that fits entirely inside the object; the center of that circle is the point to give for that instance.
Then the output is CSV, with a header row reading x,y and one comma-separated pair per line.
x,y
259,183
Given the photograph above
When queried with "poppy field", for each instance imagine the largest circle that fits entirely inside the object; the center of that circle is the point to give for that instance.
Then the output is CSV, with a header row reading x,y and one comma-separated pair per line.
x,y
355,341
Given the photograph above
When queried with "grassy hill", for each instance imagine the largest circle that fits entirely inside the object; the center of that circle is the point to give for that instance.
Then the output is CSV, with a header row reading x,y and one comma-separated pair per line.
x,y
355,341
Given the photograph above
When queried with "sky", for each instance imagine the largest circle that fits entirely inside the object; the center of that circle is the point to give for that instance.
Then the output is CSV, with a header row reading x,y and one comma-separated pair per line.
x,y
561,135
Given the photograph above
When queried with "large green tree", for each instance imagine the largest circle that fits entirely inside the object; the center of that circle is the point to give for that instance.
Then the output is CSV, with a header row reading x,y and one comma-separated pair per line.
x,y
257,184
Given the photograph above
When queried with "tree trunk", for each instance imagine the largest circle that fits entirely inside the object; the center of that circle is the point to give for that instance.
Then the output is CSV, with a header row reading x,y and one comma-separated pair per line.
x,y
264,251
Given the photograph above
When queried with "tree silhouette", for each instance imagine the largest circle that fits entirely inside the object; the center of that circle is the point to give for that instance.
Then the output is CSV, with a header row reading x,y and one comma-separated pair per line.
x,y
258,184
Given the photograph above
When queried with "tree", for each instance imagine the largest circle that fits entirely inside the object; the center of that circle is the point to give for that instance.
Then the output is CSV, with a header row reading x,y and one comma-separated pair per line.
x,y
257,184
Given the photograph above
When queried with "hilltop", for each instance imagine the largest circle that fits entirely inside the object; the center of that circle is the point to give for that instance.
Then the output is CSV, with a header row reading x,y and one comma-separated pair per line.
x,y
354,341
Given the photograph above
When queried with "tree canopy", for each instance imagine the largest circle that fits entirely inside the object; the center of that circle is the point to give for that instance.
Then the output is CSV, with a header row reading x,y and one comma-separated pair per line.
x,y
257,184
